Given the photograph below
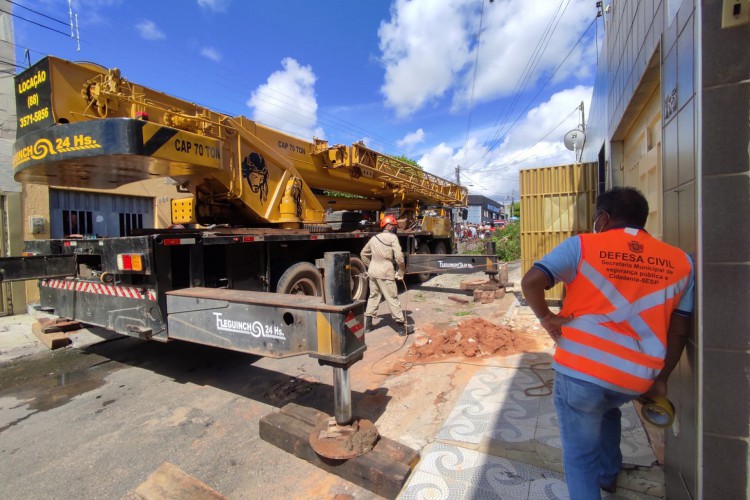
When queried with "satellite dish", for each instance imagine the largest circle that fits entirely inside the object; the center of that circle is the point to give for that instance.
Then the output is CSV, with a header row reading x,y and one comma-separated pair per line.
x,y
574,140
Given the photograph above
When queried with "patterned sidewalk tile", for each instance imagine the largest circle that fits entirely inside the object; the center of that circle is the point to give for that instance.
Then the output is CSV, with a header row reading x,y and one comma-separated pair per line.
x,y
495,407
451,472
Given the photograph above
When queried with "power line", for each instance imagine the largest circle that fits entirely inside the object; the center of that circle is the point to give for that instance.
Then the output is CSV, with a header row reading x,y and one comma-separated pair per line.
x,y
324,118
540,140
525,76
474,79
540,49
551,76
533,99
36,23
3,61
39,13
281,102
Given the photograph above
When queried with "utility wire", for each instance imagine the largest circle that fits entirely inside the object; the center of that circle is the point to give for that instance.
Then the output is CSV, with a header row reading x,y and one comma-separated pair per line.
x,y
533,99
544,43
324,118
525,76
10,63
532,157
66,35
39,13
330,120
474,80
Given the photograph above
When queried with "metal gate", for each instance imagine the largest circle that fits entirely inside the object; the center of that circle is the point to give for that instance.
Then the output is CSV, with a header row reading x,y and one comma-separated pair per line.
x,y
556,203
95,214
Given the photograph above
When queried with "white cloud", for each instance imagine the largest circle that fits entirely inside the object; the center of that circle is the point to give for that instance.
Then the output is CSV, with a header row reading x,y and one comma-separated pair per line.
x,y
410,140
90,12
211,53
287,101
214,5
535,141
149,31
429,49
440,160
510,49
424,45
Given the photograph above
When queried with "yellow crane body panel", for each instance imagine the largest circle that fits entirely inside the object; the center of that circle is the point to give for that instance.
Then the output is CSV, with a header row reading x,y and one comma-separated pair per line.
x,y
82,125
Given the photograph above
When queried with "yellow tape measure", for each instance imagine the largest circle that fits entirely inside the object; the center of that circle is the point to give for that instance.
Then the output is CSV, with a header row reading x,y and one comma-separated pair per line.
x,y
657,411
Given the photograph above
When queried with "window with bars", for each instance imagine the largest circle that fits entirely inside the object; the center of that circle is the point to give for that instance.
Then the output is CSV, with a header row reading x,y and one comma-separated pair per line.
x,y
129,222
77,222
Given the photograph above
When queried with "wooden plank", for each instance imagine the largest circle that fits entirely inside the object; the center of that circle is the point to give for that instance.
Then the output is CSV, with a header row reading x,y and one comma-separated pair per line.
x,y
53,340
460,300
308,415
394,449
169,482
383,470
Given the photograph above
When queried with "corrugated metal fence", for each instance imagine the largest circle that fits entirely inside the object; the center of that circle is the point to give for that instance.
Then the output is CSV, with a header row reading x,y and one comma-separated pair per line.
x,y
556,203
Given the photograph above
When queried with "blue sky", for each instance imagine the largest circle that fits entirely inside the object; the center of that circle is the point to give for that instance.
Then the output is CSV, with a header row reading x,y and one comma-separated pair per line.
x,y
409,77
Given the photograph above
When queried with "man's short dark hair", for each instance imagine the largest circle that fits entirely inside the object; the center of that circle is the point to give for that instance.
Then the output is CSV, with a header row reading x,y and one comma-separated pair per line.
x,y
625,205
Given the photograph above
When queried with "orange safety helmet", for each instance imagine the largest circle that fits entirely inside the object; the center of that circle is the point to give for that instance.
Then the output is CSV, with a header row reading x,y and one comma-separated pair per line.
x,y
388,219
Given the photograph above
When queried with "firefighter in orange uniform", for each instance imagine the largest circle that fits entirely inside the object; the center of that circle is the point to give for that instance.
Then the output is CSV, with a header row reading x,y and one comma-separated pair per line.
x,y
620,333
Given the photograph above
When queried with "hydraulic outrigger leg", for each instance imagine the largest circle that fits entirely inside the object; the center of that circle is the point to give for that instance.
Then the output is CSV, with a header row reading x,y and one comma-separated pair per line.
x,y
342,436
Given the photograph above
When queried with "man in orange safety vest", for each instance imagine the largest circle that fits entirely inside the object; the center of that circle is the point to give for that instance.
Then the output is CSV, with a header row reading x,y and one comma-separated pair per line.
x,y
620,333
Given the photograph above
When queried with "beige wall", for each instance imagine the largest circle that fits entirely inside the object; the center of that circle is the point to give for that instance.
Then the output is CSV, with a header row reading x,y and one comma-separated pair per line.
x,y
36,204
704,94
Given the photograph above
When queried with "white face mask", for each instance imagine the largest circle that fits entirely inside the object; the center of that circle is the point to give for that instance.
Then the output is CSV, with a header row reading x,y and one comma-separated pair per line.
x,y
595,221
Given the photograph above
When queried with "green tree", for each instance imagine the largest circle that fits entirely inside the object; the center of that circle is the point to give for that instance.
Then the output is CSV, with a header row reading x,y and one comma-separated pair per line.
x,y
415,169
514,210
408,160
508,242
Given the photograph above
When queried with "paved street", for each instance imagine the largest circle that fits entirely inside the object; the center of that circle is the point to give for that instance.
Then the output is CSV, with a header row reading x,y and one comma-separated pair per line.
x,y
95,419
94,422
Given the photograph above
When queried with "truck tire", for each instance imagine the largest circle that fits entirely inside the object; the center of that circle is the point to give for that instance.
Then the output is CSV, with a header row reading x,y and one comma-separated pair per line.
x,y
423,248
440,248
360,284
301,278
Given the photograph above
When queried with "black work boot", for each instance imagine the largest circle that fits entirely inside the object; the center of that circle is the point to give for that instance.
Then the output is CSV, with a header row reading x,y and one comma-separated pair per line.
x,y
404,329
368,324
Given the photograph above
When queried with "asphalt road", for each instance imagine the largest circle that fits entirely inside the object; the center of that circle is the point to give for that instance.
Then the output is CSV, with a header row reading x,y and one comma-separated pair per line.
x,y
96,422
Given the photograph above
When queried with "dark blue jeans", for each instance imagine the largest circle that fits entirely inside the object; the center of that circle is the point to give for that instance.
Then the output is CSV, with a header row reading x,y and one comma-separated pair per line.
x,y
589,420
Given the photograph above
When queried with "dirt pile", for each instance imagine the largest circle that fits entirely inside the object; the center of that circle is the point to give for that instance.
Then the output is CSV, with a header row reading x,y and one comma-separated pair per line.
x,y
473,338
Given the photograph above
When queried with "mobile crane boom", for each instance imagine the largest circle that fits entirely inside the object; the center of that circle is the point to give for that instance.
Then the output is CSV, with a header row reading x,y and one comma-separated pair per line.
x,y
110,131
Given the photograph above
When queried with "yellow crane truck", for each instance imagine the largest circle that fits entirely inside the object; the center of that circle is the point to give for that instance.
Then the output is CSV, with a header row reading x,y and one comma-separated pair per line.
x,y
262,217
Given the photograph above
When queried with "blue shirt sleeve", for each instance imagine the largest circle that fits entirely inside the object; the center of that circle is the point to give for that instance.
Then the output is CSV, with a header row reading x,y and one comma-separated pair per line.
x,y
685,307
561,264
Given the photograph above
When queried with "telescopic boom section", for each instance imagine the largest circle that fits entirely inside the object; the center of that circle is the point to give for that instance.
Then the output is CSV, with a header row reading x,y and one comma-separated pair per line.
x,y
410,182
81,125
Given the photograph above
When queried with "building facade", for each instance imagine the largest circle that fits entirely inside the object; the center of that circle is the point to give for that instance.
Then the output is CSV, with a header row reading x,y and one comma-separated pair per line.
x,y
670,115
29,212
483,210
12,295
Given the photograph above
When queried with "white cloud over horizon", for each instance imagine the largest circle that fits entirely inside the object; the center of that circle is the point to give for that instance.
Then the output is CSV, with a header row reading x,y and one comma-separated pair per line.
x,y
148,30
428,49
214,5
271,102
412,139
211,53
535,141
